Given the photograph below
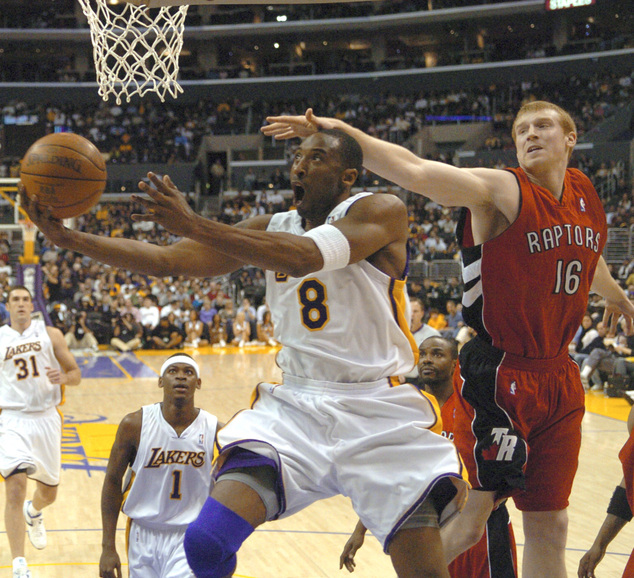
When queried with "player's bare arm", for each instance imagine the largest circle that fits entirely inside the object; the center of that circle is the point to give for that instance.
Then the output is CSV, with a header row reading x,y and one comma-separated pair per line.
x,y
376,228
616,300
185,257
121,456
70,373
491,195
283,252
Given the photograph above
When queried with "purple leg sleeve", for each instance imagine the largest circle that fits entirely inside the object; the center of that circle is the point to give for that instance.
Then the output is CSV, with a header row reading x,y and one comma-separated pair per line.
x,y
211,542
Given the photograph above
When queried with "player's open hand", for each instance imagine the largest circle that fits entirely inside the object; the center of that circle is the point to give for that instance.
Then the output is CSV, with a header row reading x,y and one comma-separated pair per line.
x,y
590,561
110,564
285,127
166,206
350,549
613,312
51,227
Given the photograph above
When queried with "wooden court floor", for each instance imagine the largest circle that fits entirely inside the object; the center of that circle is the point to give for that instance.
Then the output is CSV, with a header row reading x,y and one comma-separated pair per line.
x,y
305,546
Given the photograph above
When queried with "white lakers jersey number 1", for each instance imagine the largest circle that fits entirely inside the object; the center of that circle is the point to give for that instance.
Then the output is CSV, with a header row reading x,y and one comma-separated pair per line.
x,y
171,473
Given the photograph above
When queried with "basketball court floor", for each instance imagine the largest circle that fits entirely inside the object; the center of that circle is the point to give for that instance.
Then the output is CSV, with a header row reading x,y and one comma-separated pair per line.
x,y
305,546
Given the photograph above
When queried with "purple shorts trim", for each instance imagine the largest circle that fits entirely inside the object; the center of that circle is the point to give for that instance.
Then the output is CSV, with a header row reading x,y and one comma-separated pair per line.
x,y
241,458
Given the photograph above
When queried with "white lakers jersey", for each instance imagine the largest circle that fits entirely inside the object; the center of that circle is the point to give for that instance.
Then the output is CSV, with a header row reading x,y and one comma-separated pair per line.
x,y
171,474
349,325
25,359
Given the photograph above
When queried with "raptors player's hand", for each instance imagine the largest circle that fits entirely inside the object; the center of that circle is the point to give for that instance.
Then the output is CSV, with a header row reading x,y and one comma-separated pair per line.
x,y
613,312
166,206
285,127
109,564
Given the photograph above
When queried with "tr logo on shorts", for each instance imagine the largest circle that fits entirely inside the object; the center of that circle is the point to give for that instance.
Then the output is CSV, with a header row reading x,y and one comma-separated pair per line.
x,y
502,446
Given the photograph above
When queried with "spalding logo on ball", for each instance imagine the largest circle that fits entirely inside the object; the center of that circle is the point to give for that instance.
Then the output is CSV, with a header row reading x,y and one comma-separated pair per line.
x,y
65,172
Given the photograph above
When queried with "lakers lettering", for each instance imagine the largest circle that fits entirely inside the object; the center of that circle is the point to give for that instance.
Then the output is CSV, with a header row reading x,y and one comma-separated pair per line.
x,y
21,349
567,235
64,162
161,457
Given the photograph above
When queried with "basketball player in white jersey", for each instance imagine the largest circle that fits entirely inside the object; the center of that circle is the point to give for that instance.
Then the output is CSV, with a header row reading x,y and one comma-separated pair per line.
x,y
167,449
35,366
337,424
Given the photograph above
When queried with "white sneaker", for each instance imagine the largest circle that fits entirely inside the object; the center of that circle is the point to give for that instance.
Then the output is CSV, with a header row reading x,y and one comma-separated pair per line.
x,y
20,569
35,527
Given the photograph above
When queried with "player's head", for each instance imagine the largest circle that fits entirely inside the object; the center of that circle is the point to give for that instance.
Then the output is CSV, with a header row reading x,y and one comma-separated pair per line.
x,y
180,376
325,166
417,310
19,305
437,361
541,109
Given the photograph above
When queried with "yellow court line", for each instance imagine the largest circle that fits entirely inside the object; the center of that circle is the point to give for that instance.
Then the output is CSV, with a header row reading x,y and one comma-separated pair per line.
x,y
121,368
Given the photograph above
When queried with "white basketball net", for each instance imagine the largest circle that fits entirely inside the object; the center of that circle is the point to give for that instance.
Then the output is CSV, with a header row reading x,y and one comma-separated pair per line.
x,y
136,51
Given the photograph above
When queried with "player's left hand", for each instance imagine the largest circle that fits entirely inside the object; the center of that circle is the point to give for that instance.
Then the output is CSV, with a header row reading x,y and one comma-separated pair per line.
x,y
54,375
285,127
166,206
613,312
589,562
350,549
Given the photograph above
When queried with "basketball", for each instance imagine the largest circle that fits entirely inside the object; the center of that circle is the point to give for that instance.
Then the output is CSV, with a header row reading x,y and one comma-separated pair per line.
x,y
65,172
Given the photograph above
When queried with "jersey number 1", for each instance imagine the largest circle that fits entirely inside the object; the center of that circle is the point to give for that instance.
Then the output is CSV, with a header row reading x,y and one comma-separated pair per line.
x,y
176,485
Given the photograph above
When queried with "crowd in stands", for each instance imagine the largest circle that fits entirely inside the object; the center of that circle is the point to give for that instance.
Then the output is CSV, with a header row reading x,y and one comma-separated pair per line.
x,y
169,133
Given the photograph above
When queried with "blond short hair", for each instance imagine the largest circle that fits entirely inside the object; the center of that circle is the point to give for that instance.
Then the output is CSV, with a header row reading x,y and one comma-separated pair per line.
x,y
565,120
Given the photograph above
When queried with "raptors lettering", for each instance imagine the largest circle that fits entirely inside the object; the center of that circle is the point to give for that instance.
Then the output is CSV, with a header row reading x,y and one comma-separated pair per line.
x,y
553,237
161,457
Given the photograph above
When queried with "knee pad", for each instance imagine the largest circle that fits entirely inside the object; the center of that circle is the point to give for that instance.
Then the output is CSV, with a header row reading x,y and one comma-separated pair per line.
x,y
211,542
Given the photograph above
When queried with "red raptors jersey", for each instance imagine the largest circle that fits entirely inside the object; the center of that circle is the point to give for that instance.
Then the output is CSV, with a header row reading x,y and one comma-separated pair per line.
x,y
527,289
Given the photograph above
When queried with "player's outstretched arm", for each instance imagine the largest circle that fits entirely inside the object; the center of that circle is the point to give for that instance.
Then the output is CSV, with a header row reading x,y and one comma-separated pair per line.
x,y
121,456
352,546
443,183
182,258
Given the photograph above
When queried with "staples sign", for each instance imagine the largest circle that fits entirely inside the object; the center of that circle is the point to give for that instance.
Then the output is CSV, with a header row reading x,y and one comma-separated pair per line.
x,y
561,4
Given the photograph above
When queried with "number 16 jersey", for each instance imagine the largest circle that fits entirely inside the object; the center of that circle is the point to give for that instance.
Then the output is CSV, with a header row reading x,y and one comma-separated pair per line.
x,y
526,290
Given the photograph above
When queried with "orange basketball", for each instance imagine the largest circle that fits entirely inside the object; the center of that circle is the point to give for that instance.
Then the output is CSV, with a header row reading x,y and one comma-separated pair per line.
x,y
64,171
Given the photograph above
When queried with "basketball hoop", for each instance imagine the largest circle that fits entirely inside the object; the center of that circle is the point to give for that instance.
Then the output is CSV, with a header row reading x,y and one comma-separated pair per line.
x,y
135,48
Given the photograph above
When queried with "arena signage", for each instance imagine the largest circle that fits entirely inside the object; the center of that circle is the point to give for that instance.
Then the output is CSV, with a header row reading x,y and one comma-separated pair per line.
x,y
561,4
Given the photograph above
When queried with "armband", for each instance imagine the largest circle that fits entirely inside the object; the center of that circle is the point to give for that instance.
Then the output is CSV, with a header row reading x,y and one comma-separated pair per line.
x,y
619,506
333,246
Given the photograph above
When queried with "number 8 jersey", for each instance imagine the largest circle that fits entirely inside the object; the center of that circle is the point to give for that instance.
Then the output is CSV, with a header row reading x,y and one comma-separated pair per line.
x,y
348,325
25,359
526,290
